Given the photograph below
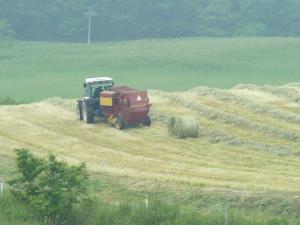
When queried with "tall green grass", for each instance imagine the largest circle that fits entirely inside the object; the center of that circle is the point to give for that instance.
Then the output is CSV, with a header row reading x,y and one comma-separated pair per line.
x,y
39,70
96,212
14,213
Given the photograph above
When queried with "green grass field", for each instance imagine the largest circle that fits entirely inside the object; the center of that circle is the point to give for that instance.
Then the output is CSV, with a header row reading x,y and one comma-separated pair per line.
x,y
32,70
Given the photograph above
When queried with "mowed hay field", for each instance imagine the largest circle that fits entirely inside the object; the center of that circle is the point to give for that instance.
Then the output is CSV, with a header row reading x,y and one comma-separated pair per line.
x,y
33,70
248,149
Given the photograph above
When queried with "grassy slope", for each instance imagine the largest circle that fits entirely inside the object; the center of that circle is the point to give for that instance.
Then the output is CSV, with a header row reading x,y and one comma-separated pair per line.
x,y
256,161
39,70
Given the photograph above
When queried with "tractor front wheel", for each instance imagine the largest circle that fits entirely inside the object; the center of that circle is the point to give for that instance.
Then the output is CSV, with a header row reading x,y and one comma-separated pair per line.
x,y
87,113
79,110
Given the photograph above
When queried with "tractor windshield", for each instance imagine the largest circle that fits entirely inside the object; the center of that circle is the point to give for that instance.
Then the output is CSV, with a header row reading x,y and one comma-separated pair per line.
x,y
97,88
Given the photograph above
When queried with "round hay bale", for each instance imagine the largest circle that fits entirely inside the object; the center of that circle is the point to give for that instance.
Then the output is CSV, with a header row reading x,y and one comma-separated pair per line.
x,y
183,127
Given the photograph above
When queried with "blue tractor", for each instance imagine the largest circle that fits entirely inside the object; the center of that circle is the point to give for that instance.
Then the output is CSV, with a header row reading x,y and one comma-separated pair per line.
x,y
88,107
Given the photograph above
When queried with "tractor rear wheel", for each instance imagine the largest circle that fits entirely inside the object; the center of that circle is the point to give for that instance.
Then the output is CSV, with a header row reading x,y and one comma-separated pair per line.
x,y
87,113
147,122
79,110
120,123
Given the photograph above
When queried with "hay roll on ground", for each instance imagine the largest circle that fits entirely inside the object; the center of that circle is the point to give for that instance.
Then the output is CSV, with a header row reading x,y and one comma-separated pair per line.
x,y
183,127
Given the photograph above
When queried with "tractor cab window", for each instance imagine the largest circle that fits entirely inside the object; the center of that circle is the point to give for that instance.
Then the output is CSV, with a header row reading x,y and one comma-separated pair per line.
x,y
97,88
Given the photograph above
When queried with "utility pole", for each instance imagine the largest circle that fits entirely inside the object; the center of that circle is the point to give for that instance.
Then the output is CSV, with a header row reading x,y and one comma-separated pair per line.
x,y
90,15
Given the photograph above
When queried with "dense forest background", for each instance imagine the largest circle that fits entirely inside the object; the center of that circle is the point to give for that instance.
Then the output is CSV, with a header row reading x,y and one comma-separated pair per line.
x,y
65,20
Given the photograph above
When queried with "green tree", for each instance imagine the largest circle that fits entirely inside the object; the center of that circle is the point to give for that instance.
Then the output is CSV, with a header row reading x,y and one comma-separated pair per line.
x,y
57,20
48,187
218,18
7,34
251,30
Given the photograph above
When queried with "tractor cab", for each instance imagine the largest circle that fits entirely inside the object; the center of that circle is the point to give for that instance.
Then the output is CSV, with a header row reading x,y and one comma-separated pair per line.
x,y
88,107
94,86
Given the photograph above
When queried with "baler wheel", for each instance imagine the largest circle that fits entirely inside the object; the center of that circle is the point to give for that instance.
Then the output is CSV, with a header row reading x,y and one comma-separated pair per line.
x,y
120,123
87,113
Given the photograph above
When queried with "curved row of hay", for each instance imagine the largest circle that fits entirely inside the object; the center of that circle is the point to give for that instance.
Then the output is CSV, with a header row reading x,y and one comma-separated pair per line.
x,y
215,136
296,86
287,92
266,110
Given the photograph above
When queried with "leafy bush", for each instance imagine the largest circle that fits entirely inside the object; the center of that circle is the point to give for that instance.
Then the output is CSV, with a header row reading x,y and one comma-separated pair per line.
x,y
48,187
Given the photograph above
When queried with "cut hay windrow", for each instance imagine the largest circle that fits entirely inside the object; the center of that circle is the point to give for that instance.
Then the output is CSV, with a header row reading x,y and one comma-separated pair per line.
x,y
158,116
266,110
294,85
183,127
221,137
233,120
286,92
217,136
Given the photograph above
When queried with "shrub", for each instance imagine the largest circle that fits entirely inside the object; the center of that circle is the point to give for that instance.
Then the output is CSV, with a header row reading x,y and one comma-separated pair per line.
x,y
48,187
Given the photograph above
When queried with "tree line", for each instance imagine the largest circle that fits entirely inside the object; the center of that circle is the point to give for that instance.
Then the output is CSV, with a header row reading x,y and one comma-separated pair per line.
x,y
57,20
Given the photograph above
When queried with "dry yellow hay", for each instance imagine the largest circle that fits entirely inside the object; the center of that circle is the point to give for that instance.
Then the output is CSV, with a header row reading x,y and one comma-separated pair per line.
x,y
183,127
235,151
